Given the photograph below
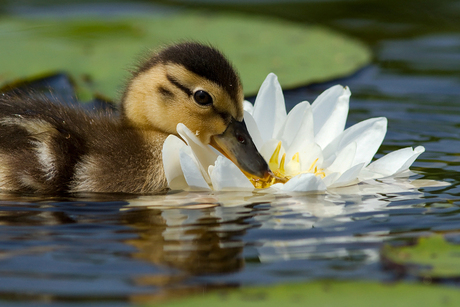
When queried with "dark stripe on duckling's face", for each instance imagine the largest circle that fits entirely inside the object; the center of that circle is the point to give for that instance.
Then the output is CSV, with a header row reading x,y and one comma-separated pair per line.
x,y
165,92
225,115
180,86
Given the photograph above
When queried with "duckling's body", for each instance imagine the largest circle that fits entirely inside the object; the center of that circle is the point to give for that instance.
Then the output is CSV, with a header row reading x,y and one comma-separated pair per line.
x,y
48,147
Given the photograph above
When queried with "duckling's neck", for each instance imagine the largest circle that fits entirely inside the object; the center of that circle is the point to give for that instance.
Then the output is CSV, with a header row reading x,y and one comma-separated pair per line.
x,y
133,107
143,105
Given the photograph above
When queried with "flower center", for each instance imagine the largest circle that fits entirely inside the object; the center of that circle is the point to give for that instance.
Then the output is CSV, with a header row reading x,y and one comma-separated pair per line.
x,y
284,171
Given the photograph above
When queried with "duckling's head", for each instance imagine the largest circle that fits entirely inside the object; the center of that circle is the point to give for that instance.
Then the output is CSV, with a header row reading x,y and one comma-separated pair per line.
x,y
194,84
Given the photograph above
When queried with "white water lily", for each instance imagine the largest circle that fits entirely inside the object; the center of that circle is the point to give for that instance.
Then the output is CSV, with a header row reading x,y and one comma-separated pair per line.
x,y
309,147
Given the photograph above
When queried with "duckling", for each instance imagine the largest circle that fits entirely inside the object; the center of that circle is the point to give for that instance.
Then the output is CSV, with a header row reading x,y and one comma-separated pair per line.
x,y
49,147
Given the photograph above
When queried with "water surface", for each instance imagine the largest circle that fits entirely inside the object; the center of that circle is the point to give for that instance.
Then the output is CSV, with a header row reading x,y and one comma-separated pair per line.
x,y
112,250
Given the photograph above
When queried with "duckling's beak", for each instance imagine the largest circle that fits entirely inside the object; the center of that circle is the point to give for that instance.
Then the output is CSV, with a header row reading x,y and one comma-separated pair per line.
x,y
237,145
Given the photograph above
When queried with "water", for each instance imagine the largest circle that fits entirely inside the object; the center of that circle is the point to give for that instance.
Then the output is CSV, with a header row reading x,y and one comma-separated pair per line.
x,y
113,250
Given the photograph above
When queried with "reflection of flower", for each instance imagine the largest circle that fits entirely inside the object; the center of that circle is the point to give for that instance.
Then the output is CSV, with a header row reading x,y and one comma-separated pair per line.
x,y
308,146
326,222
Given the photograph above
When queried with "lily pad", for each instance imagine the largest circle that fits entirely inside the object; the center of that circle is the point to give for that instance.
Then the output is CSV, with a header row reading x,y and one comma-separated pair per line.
x,y
431,257
99,52
326,293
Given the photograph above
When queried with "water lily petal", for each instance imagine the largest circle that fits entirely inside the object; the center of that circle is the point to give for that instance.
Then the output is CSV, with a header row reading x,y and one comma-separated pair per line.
x,y
304,183
227,176
344,159
348,177
204,155
269,108
253,130
394,163
330,111
368,135
248,107
276,187
331,178
192,173
171,163
298,127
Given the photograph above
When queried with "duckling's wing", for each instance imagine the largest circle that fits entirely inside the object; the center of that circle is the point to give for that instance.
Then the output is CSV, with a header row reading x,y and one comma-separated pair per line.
x,y
40,143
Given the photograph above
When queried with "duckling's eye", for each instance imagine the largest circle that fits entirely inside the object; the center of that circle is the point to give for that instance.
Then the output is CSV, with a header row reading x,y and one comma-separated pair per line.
x,y
202,97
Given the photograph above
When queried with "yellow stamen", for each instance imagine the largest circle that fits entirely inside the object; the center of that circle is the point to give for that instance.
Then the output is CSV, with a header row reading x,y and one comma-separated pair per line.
x,y
281,169
267,182
312,165
321,174
283,173
273,163
296,157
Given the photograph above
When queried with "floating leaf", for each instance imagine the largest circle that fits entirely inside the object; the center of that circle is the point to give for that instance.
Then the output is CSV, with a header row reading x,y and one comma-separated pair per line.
x,y
99,52
431,257
326,293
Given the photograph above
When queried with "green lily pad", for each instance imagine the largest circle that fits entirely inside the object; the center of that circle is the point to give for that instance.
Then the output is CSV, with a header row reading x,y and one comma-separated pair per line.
x,y
431,257
325,293
99,52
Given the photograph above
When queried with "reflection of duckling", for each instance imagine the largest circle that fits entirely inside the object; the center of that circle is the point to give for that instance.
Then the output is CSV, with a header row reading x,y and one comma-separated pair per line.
x,y
49,147
196,241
